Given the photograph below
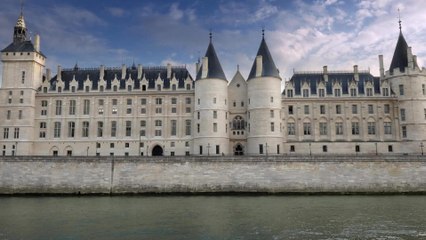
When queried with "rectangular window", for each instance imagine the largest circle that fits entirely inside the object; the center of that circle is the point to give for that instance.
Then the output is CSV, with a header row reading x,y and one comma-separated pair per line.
x,y
72,107
290,93
86,106
5,133
188,100
173,127
16,133
57,130
291,130
424,89
188,110
20,114
404,131
113,129
42,133
306,109
158,110
323,128
9,114
44,103
100,132
338,109
100,102
354,109
143,101
321,92
85,129
158,123
214,114
386,108
129,101
387,127
322,109
174,110
71,129
402,110
290,110
371,127
306,128
128,128
198,128
353,92
355,128
339,128
370,109
214,127
324,148
158,101
187,127
143,123
272,127
271,113
143,110
174,101
260,148
58,109
142,133
305,93
217,149
157,132
128,111
401,89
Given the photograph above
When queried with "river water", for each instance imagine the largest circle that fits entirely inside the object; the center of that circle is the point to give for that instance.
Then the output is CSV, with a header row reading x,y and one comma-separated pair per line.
x,y
213,217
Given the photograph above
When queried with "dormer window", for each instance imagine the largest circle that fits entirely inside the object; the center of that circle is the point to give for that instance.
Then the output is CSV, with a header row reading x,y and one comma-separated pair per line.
x,y
385,92
290,93
369,92
321,92
305,93
353,92
337,92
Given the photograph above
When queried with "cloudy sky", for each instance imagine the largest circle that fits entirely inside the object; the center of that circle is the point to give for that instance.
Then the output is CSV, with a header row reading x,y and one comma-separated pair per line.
x,y
301,34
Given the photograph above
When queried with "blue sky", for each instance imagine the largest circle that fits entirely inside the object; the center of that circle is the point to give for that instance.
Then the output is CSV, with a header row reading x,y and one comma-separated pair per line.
x,y
301,34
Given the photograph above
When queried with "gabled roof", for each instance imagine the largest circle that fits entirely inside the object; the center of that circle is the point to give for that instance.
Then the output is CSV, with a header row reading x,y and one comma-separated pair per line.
x,y
214,68
25,46
344,78
400,58
238,77
150,73
268,66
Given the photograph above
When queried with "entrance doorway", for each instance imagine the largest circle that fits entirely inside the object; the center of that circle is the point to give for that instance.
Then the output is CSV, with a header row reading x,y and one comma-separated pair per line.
x,y
157,151
238,150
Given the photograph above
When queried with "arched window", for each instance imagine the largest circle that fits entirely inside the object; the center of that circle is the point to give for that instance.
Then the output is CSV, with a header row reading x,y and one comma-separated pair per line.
x,y
238,123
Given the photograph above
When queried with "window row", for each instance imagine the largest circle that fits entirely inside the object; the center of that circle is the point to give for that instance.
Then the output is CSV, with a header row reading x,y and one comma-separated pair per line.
x,y
338,109
339,129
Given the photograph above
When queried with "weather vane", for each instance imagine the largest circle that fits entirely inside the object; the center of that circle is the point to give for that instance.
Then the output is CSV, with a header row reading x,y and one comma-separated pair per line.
x,y
399,20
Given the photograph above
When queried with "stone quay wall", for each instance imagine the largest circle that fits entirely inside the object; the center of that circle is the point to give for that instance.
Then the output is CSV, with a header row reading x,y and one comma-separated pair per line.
x,y
275,174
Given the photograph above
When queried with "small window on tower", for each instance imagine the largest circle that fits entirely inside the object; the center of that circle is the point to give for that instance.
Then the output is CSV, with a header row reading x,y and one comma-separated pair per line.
x,y
23,77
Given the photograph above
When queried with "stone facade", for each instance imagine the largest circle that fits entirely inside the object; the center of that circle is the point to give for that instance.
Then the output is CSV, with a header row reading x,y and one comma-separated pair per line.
x,y
137,110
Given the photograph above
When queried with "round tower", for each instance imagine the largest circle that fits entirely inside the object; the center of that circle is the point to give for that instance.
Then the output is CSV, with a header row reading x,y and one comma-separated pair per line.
x,y
264,105
211,107
408,83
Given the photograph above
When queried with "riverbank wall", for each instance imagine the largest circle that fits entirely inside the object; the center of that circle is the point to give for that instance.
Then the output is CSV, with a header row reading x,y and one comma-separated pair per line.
x,y
198,175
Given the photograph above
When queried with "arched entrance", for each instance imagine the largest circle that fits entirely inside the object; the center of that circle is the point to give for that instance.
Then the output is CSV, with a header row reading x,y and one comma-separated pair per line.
x,y
238,151
157,151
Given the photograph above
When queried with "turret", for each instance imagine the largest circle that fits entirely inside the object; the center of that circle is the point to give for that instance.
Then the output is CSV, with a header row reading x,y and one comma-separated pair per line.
x,y
211,107
264,105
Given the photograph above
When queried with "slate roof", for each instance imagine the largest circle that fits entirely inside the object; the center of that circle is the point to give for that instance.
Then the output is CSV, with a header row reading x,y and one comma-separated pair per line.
x,y
400,58
344,78
151,74
268,69
25,46
214,68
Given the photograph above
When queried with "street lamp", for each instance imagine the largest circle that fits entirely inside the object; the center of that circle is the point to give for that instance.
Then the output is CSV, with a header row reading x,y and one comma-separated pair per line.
x,y
208,149
376,147
421,146
87,151
266,148
310,152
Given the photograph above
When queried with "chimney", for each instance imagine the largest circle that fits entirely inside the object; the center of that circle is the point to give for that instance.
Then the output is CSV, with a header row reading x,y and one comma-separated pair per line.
x,y
325,73
415,61
410,58
139,71
123,71
382,69
102,72
259,66
205,67
59,74
37,43
48,74
169,70
197,67
356,73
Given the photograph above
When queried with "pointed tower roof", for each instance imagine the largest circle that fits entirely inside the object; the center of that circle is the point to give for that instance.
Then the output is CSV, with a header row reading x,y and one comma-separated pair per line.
x,y
268,66
400,56
214,69
238,77
21,22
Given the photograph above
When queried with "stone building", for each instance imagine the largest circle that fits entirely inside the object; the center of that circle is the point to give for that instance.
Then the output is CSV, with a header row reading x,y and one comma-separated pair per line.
x,y
138,110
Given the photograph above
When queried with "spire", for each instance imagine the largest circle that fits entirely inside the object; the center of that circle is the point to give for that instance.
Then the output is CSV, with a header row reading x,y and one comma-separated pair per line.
x,y
399,20
268,68
400,55
20,30
214,69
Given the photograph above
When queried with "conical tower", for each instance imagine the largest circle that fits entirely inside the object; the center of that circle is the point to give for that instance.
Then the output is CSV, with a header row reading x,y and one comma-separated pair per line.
x,y
264,105
211,107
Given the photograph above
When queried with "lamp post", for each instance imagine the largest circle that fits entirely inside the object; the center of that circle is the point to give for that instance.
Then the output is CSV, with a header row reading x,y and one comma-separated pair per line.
x,y
16,149
310,152
208,149
376,148
87,151
421,146
266,148
96,148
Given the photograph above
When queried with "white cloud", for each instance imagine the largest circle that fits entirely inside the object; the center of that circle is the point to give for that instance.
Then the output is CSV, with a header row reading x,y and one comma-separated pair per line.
x,y
116,11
